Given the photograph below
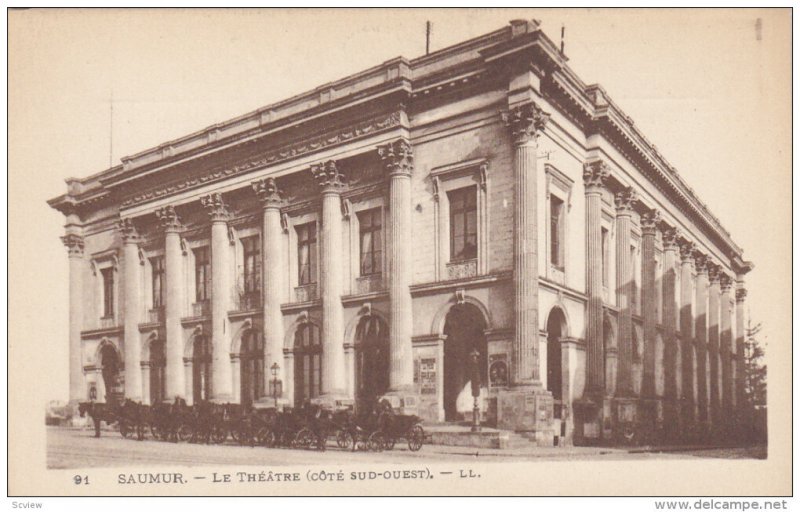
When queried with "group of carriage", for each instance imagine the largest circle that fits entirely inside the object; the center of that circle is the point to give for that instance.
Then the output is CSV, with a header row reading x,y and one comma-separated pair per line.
x,y
310,426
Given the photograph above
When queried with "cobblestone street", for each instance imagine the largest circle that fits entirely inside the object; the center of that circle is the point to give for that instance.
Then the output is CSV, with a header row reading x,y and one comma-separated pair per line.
x,y
77,448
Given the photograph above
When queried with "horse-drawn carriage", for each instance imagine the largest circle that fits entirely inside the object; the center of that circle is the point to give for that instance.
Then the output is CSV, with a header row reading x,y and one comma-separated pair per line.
x,y
380,428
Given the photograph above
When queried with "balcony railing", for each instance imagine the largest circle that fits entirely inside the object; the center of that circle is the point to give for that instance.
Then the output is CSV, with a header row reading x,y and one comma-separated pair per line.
x,y
200,309
305,293
462,269
248,301
107,322
370,283
155,315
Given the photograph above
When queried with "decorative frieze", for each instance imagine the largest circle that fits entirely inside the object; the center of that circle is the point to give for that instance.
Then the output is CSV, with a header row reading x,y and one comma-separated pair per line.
x,y
397,157
73,243
525,121
329,176
217,208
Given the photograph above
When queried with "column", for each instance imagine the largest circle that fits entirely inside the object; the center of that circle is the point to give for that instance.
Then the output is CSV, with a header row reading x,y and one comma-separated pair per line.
x,y
525,122
130,256
739,386
649,224
701,296
624,202
595,175
669,242
687,371
74,244
332,181
174,306
398,158
725,348
221,383
273,268
713,343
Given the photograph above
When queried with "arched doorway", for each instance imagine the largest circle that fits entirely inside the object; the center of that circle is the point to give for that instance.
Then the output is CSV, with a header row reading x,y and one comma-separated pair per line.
x,y
307,364
372,360
251,362
556,330
158,366
464,327
201,369
109,360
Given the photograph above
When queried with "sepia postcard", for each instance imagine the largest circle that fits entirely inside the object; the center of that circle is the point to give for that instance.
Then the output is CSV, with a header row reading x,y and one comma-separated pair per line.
x,y
399,252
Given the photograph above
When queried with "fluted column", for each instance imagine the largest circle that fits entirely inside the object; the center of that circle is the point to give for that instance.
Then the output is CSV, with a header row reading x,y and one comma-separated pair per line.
x,y
687,370
74,244
649,223
725,349
713,343
174,304
221,378
332,181
130,256
741,402
669,241
398,159
525,122
701,296
624,202
273,267
595,175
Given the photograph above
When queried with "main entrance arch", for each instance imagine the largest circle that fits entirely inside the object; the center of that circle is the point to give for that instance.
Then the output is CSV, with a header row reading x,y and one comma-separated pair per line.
x,y
109,360
372,360
464,327
556,330
158,365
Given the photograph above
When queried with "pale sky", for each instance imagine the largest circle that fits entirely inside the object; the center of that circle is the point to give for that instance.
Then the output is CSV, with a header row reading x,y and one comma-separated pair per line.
x,y
707,87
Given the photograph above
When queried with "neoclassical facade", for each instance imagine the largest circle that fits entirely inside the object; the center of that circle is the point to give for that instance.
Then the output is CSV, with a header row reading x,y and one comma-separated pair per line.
x,y
478,213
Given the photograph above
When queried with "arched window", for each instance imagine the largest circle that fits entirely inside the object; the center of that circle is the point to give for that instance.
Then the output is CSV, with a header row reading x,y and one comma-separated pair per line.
x,y
252,367
158,364
201,369
307,363
372,359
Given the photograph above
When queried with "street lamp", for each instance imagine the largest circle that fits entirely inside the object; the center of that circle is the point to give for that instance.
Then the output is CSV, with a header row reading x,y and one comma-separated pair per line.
x,y
274,369
476,390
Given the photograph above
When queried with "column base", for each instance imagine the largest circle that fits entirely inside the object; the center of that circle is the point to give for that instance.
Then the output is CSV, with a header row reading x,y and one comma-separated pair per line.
x,y
527,408
403,401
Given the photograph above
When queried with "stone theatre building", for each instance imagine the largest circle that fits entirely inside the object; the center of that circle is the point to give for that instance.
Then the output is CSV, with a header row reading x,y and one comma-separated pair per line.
x,y
476,213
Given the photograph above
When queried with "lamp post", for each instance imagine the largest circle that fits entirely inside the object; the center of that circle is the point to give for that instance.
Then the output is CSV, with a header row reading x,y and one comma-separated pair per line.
x,y
274,369
476,390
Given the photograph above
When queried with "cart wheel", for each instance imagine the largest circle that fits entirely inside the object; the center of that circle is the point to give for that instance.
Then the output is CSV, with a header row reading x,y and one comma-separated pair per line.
x,y
416,436
344,439
185,432
218,434
303,439
375,442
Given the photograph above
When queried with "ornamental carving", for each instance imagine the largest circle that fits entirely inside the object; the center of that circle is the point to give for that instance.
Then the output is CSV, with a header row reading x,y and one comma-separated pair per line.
x,y
350,134
725,282
713,273
741,294
462,269
168,218
218,210
268,193
525,122
650,221
73,243
397,157
626,200
687,250
128,230
700,262
669,239
329,177
595,174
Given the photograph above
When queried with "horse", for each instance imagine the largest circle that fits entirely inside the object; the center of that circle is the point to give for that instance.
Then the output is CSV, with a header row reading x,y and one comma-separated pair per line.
x,y
98,412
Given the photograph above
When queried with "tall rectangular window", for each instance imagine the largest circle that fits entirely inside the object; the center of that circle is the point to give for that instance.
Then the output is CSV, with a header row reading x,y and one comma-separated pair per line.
x,y
369,227
108,291
202,274
306,253
157,265
463,224
557,232
604,251
251,248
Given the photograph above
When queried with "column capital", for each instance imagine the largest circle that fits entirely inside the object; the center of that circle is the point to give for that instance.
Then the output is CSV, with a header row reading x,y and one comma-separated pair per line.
x,y
525,122
713,274
126,227
595,175
700,263
625,200
73,243
669,239
687,249
741,294
268,193
217,208
650,221
397,157
725,283
330,178
168,218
